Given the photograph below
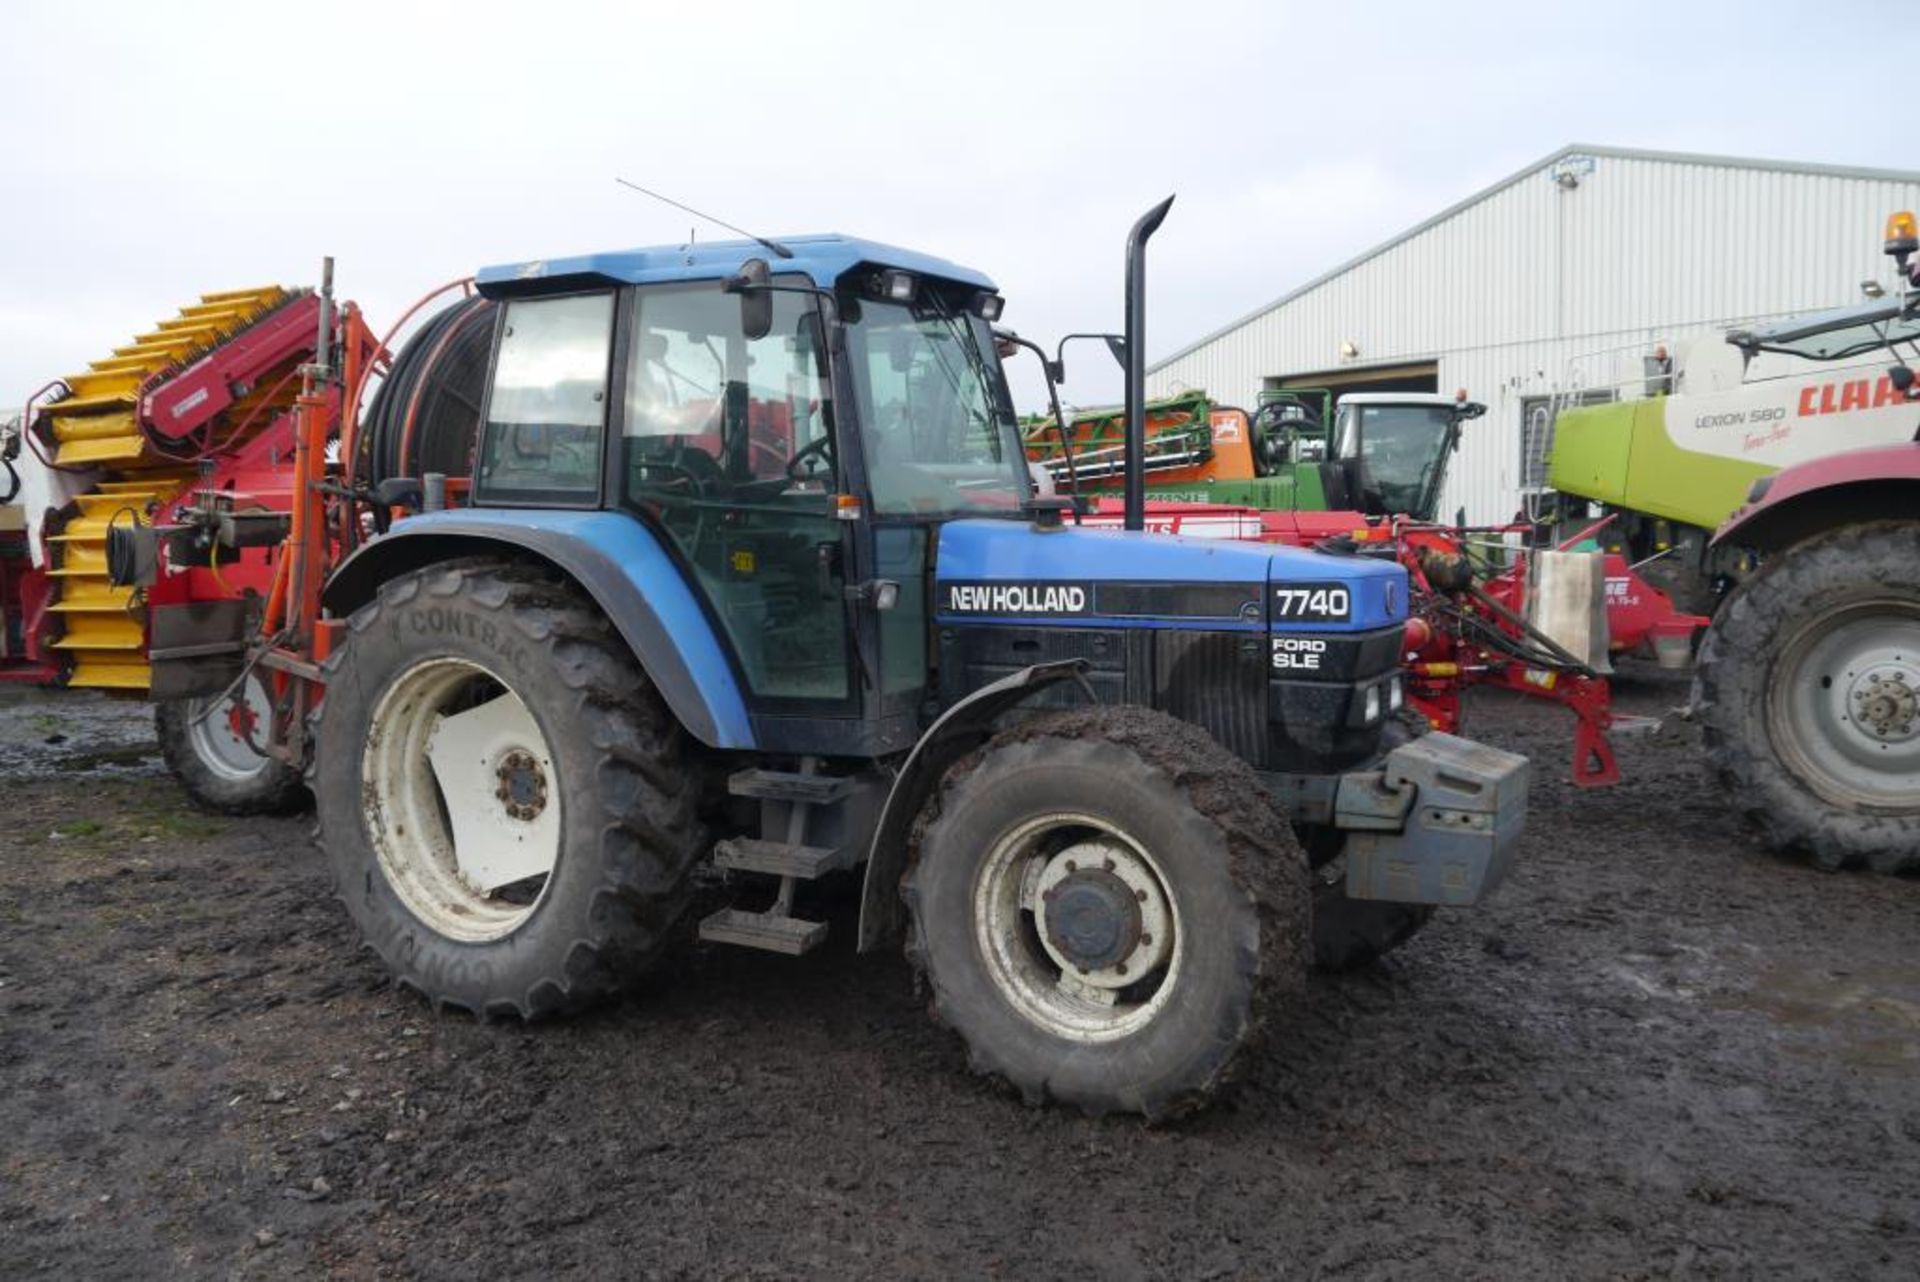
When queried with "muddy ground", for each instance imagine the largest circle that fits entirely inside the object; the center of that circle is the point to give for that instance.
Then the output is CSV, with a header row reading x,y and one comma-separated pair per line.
x,y
1657,1053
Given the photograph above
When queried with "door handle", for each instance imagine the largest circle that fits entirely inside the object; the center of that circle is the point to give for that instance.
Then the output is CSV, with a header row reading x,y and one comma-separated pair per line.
x,y
827,560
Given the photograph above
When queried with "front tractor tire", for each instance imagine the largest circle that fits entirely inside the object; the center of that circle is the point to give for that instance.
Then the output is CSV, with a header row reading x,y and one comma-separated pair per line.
x,y
1105,906
216,748
1808,695
502,794
1349,933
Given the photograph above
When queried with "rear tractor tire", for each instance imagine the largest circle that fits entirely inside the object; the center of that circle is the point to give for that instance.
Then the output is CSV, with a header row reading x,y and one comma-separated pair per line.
x,y
502,794
1105,905
216,746
1808,696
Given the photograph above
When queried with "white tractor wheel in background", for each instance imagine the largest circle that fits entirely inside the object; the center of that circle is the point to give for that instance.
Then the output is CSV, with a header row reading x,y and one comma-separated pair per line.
x,y
217,747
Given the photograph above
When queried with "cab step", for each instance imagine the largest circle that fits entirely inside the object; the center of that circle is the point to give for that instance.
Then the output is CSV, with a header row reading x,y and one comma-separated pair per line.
x,y
779,858
788,786
773,932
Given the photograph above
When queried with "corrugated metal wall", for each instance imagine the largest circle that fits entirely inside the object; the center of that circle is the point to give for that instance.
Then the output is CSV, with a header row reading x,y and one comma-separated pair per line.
x,y
1507,289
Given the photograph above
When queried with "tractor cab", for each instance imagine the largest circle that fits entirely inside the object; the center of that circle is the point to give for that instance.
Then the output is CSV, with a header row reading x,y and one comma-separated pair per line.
x,y
1391,449
795,429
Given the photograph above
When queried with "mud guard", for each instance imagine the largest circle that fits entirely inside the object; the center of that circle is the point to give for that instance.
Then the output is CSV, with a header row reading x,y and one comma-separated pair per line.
x,y
616,560
960,730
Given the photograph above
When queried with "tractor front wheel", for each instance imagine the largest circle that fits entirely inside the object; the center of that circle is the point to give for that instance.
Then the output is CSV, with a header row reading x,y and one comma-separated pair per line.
x,y
1808,695
1104,905
502,794
1349,933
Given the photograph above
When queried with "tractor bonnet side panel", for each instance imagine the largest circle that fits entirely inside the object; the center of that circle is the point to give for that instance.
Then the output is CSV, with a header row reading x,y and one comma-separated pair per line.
x,y
1273,651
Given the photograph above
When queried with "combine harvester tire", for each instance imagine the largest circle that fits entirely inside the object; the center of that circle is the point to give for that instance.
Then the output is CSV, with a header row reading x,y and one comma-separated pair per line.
x,y
1808,693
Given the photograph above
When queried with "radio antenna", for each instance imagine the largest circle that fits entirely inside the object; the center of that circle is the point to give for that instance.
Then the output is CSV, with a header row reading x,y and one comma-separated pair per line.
x,y
778,250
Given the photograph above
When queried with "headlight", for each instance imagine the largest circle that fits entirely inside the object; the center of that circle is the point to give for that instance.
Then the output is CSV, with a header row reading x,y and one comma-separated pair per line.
x,y
1373,704
1396,695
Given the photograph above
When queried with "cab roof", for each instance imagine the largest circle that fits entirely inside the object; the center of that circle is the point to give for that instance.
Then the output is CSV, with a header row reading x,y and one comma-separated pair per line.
x,y
824,258
1397,398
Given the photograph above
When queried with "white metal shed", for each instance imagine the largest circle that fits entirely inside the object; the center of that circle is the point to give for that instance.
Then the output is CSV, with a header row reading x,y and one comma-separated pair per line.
x,y
1590,250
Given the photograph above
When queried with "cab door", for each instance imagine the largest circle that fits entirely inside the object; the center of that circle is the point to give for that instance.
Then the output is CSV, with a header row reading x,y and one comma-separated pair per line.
x,y
727,445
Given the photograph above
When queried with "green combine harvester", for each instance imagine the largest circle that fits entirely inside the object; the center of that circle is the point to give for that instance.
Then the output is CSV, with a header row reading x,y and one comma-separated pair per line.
x,y
1674,460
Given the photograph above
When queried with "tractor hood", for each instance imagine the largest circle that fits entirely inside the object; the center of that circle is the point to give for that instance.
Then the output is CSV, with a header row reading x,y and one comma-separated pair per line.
x,y
1007,571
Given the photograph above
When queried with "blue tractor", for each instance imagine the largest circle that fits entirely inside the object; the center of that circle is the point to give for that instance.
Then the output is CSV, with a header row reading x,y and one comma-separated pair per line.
x,y
750,571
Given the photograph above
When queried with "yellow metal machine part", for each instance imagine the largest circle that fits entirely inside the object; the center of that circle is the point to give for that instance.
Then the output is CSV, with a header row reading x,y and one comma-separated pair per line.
x,y
103,630
98,425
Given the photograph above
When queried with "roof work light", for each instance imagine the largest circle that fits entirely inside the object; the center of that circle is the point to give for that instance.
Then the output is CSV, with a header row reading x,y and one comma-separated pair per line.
x,y
898,286
1902,237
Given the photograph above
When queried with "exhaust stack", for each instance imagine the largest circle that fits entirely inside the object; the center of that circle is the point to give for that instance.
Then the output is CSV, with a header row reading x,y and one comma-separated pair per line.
x,y
1135,515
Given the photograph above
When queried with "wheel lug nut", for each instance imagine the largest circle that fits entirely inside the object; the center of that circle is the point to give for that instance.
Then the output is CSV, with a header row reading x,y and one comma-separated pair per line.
x,y
1072,866
1108,865
1140,895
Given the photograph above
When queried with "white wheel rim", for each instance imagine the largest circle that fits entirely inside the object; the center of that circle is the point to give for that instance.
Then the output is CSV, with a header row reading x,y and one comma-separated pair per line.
x,y
1025,947
1845,705
219,743
463,802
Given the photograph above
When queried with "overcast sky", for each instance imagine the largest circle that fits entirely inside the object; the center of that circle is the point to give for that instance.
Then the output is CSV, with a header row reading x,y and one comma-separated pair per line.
x,y
152,152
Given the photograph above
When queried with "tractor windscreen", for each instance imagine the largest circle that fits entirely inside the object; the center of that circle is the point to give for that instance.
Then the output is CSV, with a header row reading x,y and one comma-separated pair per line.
x,y
1835,335
1398,454
939,433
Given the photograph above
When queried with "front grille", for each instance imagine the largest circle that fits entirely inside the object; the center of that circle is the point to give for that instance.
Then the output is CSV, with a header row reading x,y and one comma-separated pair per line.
x,y
1217,681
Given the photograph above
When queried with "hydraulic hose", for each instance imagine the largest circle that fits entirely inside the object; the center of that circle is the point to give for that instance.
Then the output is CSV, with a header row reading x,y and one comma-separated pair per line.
x,y
425,416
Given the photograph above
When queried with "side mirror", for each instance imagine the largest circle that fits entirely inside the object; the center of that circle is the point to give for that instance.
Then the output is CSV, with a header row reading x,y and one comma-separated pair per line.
x,y
1117,344
1056,370
1902,379
756,300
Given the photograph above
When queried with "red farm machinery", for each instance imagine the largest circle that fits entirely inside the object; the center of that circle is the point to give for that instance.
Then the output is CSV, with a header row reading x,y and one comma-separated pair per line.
x,y
1497,606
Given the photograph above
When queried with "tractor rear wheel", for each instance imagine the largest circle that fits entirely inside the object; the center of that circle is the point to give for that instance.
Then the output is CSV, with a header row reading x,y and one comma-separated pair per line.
x,y
502,795
1808,695
1105,905
216,748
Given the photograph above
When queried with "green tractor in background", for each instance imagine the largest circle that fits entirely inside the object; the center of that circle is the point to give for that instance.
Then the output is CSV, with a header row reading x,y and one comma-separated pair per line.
x,y
1371,453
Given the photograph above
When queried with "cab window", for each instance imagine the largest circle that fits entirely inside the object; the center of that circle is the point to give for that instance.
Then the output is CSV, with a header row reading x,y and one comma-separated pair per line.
x,y
547,411
939,441
727,447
